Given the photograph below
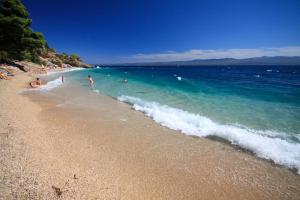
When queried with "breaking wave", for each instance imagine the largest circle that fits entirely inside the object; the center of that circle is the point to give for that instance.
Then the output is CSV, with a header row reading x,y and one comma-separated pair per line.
x,y
265,144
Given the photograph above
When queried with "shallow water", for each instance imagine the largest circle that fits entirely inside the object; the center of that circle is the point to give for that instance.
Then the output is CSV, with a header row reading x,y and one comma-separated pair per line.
x,y
257,108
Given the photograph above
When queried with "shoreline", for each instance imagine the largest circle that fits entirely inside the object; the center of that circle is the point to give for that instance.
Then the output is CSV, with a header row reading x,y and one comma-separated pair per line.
x,y
105,157
213,138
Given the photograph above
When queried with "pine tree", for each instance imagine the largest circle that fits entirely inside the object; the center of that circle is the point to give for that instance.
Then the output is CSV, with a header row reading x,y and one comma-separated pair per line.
x,y
17,40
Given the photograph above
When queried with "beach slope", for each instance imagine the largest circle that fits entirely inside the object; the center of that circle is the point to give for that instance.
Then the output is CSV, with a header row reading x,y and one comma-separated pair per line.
x,y
112,152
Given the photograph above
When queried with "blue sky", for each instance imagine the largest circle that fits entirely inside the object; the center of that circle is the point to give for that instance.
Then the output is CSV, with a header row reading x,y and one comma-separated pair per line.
x,y
109,31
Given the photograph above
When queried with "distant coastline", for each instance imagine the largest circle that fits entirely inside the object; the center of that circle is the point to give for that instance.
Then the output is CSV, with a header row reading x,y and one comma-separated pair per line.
x,y
255,61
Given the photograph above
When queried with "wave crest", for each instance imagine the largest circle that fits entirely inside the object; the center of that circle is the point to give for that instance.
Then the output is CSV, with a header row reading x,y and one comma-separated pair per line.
x,y
49,85
279,150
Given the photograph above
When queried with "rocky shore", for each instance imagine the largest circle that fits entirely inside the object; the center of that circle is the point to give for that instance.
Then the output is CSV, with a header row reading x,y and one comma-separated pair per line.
x,y
48,61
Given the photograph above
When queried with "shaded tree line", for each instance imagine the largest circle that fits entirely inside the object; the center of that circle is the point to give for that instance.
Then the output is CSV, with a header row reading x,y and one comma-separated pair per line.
x,y
18,41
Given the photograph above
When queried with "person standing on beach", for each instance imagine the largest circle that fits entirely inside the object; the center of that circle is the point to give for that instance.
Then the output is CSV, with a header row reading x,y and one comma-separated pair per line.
x,y
91,81
62,78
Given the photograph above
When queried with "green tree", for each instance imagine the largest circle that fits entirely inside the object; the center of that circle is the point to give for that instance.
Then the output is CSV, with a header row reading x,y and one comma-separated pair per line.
x,y
17,39
75,57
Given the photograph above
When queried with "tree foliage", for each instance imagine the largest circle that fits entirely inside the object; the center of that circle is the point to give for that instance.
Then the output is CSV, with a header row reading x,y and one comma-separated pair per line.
x,y
72,59
17,40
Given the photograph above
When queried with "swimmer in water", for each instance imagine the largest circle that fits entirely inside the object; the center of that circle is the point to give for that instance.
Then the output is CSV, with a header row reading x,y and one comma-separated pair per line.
x,y
91,81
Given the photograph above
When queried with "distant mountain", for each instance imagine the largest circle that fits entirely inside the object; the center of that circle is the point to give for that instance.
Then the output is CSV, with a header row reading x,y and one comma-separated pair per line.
x,y
277,60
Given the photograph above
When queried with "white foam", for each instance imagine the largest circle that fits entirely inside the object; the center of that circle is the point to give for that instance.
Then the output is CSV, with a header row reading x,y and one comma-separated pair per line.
x,y
262,143
269,70
179,78
48,86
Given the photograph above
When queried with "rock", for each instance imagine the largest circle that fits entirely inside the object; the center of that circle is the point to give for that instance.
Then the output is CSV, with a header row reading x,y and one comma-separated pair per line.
x,y
66,65
32,67
84,65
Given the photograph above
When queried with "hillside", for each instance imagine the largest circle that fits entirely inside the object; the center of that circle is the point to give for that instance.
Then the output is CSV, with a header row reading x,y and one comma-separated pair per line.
x,y
24,48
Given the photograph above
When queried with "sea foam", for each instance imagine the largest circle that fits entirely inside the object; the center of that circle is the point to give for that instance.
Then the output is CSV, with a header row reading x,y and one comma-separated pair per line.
x,y
49,85
264,144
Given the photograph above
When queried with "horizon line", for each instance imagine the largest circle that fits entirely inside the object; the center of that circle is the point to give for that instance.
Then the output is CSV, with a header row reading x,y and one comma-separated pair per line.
x,y
205,54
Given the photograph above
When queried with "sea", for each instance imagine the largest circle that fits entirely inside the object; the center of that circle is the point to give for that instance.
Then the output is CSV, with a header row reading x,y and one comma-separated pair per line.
x,y
256,108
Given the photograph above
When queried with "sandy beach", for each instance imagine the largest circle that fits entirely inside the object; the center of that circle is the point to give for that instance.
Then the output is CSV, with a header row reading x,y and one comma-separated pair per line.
x,y
112,152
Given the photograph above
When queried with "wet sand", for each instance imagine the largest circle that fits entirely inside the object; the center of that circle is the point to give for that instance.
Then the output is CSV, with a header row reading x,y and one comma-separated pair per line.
x,y
108,151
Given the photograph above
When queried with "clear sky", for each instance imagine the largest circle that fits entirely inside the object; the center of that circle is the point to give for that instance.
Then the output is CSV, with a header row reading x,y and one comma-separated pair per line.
x,y
108,31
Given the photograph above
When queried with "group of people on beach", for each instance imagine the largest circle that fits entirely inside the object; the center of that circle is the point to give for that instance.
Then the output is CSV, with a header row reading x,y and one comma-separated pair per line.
x,y
38,82
6,73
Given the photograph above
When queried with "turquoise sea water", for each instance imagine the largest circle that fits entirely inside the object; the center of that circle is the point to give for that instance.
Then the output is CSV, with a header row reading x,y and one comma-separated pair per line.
x,y
257,108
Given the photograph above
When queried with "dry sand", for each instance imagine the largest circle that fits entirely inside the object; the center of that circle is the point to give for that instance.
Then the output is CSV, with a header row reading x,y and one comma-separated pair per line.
x,y
113,152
